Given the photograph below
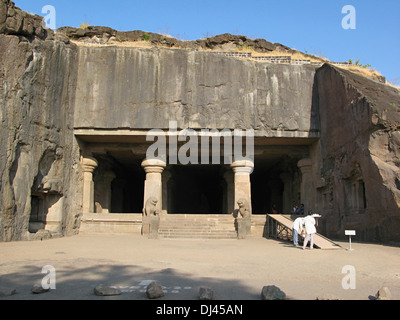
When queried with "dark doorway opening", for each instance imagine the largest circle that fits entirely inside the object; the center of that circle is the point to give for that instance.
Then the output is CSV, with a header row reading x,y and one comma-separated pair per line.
x,y
125,190
196,189
275,183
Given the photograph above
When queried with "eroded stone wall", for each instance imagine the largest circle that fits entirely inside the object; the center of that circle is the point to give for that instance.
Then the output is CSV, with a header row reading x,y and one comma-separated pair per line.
x,y
38,154
356,161
150,87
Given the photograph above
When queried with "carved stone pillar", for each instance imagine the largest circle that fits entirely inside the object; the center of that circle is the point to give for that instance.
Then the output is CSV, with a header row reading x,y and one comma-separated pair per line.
x,y
152,189
306,188
242,170
89,165
230,191
286,178
153,183
165,178
108,177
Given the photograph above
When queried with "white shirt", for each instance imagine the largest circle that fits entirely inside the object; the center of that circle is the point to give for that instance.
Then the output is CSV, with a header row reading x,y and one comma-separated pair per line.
x,y
309,224
298,224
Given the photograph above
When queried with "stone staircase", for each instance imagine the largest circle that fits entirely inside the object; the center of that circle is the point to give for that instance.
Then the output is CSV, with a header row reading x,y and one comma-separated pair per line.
x,y
197,226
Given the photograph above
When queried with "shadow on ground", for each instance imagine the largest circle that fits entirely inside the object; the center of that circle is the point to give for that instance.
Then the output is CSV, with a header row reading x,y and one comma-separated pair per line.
x,y
75,281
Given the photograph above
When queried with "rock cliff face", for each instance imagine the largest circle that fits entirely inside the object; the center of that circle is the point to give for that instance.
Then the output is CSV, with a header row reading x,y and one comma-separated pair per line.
x,y
49,87
38,153
198,90
359,155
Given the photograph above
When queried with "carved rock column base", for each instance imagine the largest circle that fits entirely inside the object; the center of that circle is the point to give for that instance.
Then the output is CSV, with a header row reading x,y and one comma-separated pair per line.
x,y
150,226
243,227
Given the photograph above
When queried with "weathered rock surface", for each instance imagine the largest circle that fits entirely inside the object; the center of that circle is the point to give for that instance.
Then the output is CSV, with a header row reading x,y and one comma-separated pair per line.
x,y
17,22
38,150
103,291
38,289
154,290
357,158
226,41
272,293
206,293
197,89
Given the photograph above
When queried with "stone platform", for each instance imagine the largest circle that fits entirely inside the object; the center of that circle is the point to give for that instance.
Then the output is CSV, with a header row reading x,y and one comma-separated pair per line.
x,y
172,226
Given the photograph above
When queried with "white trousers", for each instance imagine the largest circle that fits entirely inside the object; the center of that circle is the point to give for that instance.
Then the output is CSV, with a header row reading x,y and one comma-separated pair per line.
x,y
307,238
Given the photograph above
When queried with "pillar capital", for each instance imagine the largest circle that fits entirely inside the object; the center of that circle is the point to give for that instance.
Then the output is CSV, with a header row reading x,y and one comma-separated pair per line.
x,y
304,163
243,167
89,164
153,165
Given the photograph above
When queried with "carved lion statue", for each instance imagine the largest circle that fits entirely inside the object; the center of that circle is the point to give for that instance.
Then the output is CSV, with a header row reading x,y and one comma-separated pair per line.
x,y
150,208
244,208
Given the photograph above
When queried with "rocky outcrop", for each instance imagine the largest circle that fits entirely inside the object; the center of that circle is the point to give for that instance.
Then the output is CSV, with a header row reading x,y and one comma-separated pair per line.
x,y
358,173
14,21
226,41
38,154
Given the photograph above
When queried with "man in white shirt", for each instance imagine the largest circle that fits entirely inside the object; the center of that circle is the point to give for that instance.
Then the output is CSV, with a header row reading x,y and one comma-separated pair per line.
x,y
309,226
297,226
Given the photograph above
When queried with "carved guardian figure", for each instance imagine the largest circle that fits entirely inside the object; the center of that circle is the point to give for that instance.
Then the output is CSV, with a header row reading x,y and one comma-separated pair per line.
x,y
150,208
244,209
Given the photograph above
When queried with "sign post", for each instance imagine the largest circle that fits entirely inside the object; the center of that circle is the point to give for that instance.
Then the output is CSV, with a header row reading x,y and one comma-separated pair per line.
x,y
350,233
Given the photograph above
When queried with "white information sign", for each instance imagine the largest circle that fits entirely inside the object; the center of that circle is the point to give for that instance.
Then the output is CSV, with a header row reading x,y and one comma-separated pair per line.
x,y
350,233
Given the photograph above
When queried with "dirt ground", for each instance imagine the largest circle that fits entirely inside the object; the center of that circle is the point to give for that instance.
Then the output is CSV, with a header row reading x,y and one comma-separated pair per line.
x,y
234,269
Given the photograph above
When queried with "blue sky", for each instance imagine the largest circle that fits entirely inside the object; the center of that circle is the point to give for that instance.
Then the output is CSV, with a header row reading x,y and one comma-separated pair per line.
x,y
306,25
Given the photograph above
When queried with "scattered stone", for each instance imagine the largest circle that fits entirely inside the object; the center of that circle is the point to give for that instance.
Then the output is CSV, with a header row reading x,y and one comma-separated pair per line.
x,y
327,296
4,292
206,293
154,291
383,294
37,289
103,291
272,293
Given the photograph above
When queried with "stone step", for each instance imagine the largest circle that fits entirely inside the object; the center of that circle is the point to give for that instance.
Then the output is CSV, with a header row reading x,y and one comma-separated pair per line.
x,y
197,226
211,236
197,235
195,230
197,218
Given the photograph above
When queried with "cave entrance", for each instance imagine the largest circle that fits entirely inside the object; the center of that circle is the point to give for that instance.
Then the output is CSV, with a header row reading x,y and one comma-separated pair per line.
x,y
118,183
196,189
275,185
